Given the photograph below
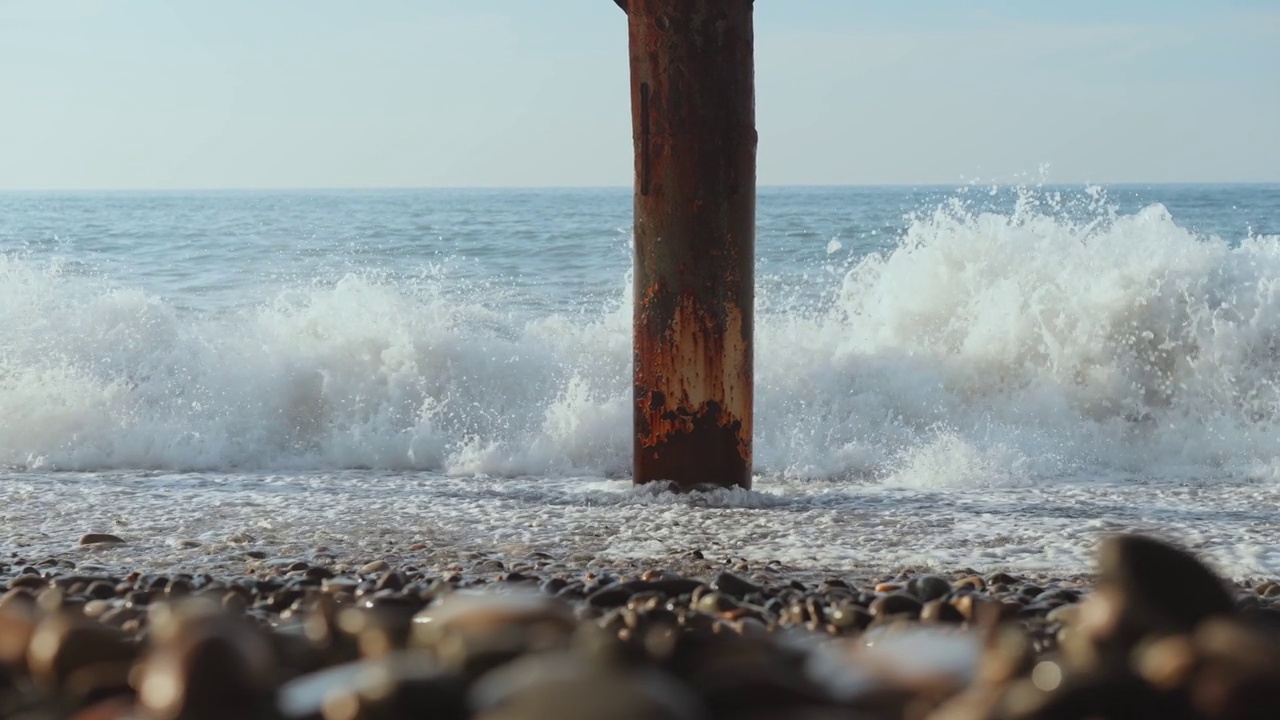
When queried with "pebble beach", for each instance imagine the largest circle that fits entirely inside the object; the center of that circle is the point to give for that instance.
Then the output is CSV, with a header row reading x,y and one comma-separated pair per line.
x,y
1152,632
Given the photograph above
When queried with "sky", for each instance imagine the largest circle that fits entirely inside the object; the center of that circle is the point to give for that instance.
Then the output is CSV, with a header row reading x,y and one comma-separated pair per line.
x,y
131,94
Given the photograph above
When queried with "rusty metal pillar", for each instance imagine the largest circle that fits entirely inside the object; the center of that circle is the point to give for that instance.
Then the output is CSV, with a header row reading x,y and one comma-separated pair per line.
x,y
693,124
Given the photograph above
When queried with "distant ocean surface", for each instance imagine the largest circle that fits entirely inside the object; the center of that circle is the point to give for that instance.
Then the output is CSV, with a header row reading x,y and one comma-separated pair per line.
x,y
986,376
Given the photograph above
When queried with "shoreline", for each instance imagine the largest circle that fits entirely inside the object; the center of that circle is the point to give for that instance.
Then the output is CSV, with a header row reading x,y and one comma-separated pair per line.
x,y
188,522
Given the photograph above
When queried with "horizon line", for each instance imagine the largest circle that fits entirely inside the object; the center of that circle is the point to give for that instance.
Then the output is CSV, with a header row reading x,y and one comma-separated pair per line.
x,y
412,188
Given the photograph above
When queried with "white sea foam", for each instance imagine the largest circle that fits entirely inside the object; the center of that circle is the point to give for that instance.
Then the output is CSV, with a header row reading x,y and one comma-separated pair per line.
x,y
982,349
996,389
356,516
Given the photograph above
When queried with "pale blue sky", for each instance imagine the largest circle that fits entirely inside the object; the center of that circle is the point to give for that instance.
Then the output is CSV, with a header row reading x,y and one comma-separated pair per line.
x,y
378,93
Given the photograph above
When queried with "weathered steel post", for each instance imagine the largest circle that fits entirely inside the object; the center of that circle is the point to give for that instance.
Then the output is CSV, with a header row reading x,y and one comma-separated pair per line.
x,y
693,125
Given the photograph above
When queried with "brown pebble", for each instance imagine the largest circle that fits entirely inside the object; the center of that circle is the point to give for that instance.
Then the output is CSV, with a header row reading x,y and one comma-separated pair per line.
x,y
31,582
982,611
100,539
847,616
61,645
374,568
17,624
895,604
206,667
19,596
1064,614
1166,663
940,611
96,608
1156,587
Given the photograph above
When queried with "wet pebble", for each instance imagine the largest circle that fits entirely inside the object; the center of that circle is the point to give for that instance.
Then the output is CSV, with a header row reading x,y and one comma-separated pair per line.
x,y
536,636
100,539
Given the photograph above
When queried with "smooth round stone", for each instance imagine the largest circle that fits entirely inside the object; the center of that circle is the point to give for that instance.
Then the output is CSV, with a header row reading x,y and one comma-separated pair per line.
x,y
673,587
17,625
62,645
1064,614
897,603
928,587
610,596
178,588
339,584
716,602
402,684
847,616
572,591
31,582
118,615
374,568
96,608
1060,596
467,614
1160,588
734,586
489,566
940,611
207,668
100,539
1031,591
568,687
20,597
50,599
318,572
100,590
390,580
1001,578
234,602
983,611
646,601
1167,662
552,586
72,584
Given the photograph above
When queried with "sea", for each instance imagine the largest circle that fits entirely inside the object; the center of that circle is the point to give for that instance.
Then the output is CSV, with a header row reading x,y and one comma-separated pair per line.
x,y
992,377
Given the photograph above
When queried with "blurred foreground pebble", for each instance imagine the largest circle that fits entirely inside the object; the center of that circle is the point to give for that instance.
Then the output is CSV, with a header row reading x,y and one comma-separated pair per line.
x,y
1155,635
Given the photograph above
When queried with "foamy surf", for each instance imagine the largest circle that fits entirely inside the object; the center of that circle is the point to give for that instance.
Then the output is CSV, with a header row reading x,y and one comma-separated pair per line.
x,y
997,386
184,522
979,348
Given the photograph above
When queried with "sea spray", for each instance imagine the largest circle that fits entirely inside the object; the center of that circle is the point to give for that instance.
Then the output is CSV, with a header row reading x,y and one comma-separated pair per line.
x,y
984,344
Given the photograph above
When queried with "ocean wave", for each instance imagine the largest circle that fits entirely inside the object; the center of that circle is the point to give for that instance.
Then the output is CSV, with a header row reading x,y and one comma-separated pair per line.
x,y
984,347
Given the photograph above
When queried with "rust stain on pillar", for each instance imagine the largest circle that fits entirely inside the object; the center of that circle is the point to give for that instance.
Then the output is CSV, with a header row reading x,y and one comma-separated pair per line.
x,y
693,121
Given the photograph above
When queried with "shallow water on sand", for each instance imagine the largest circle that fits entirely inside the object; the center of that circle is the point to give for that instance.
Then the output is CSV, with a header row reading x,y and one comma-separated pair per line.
x,y
841,527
